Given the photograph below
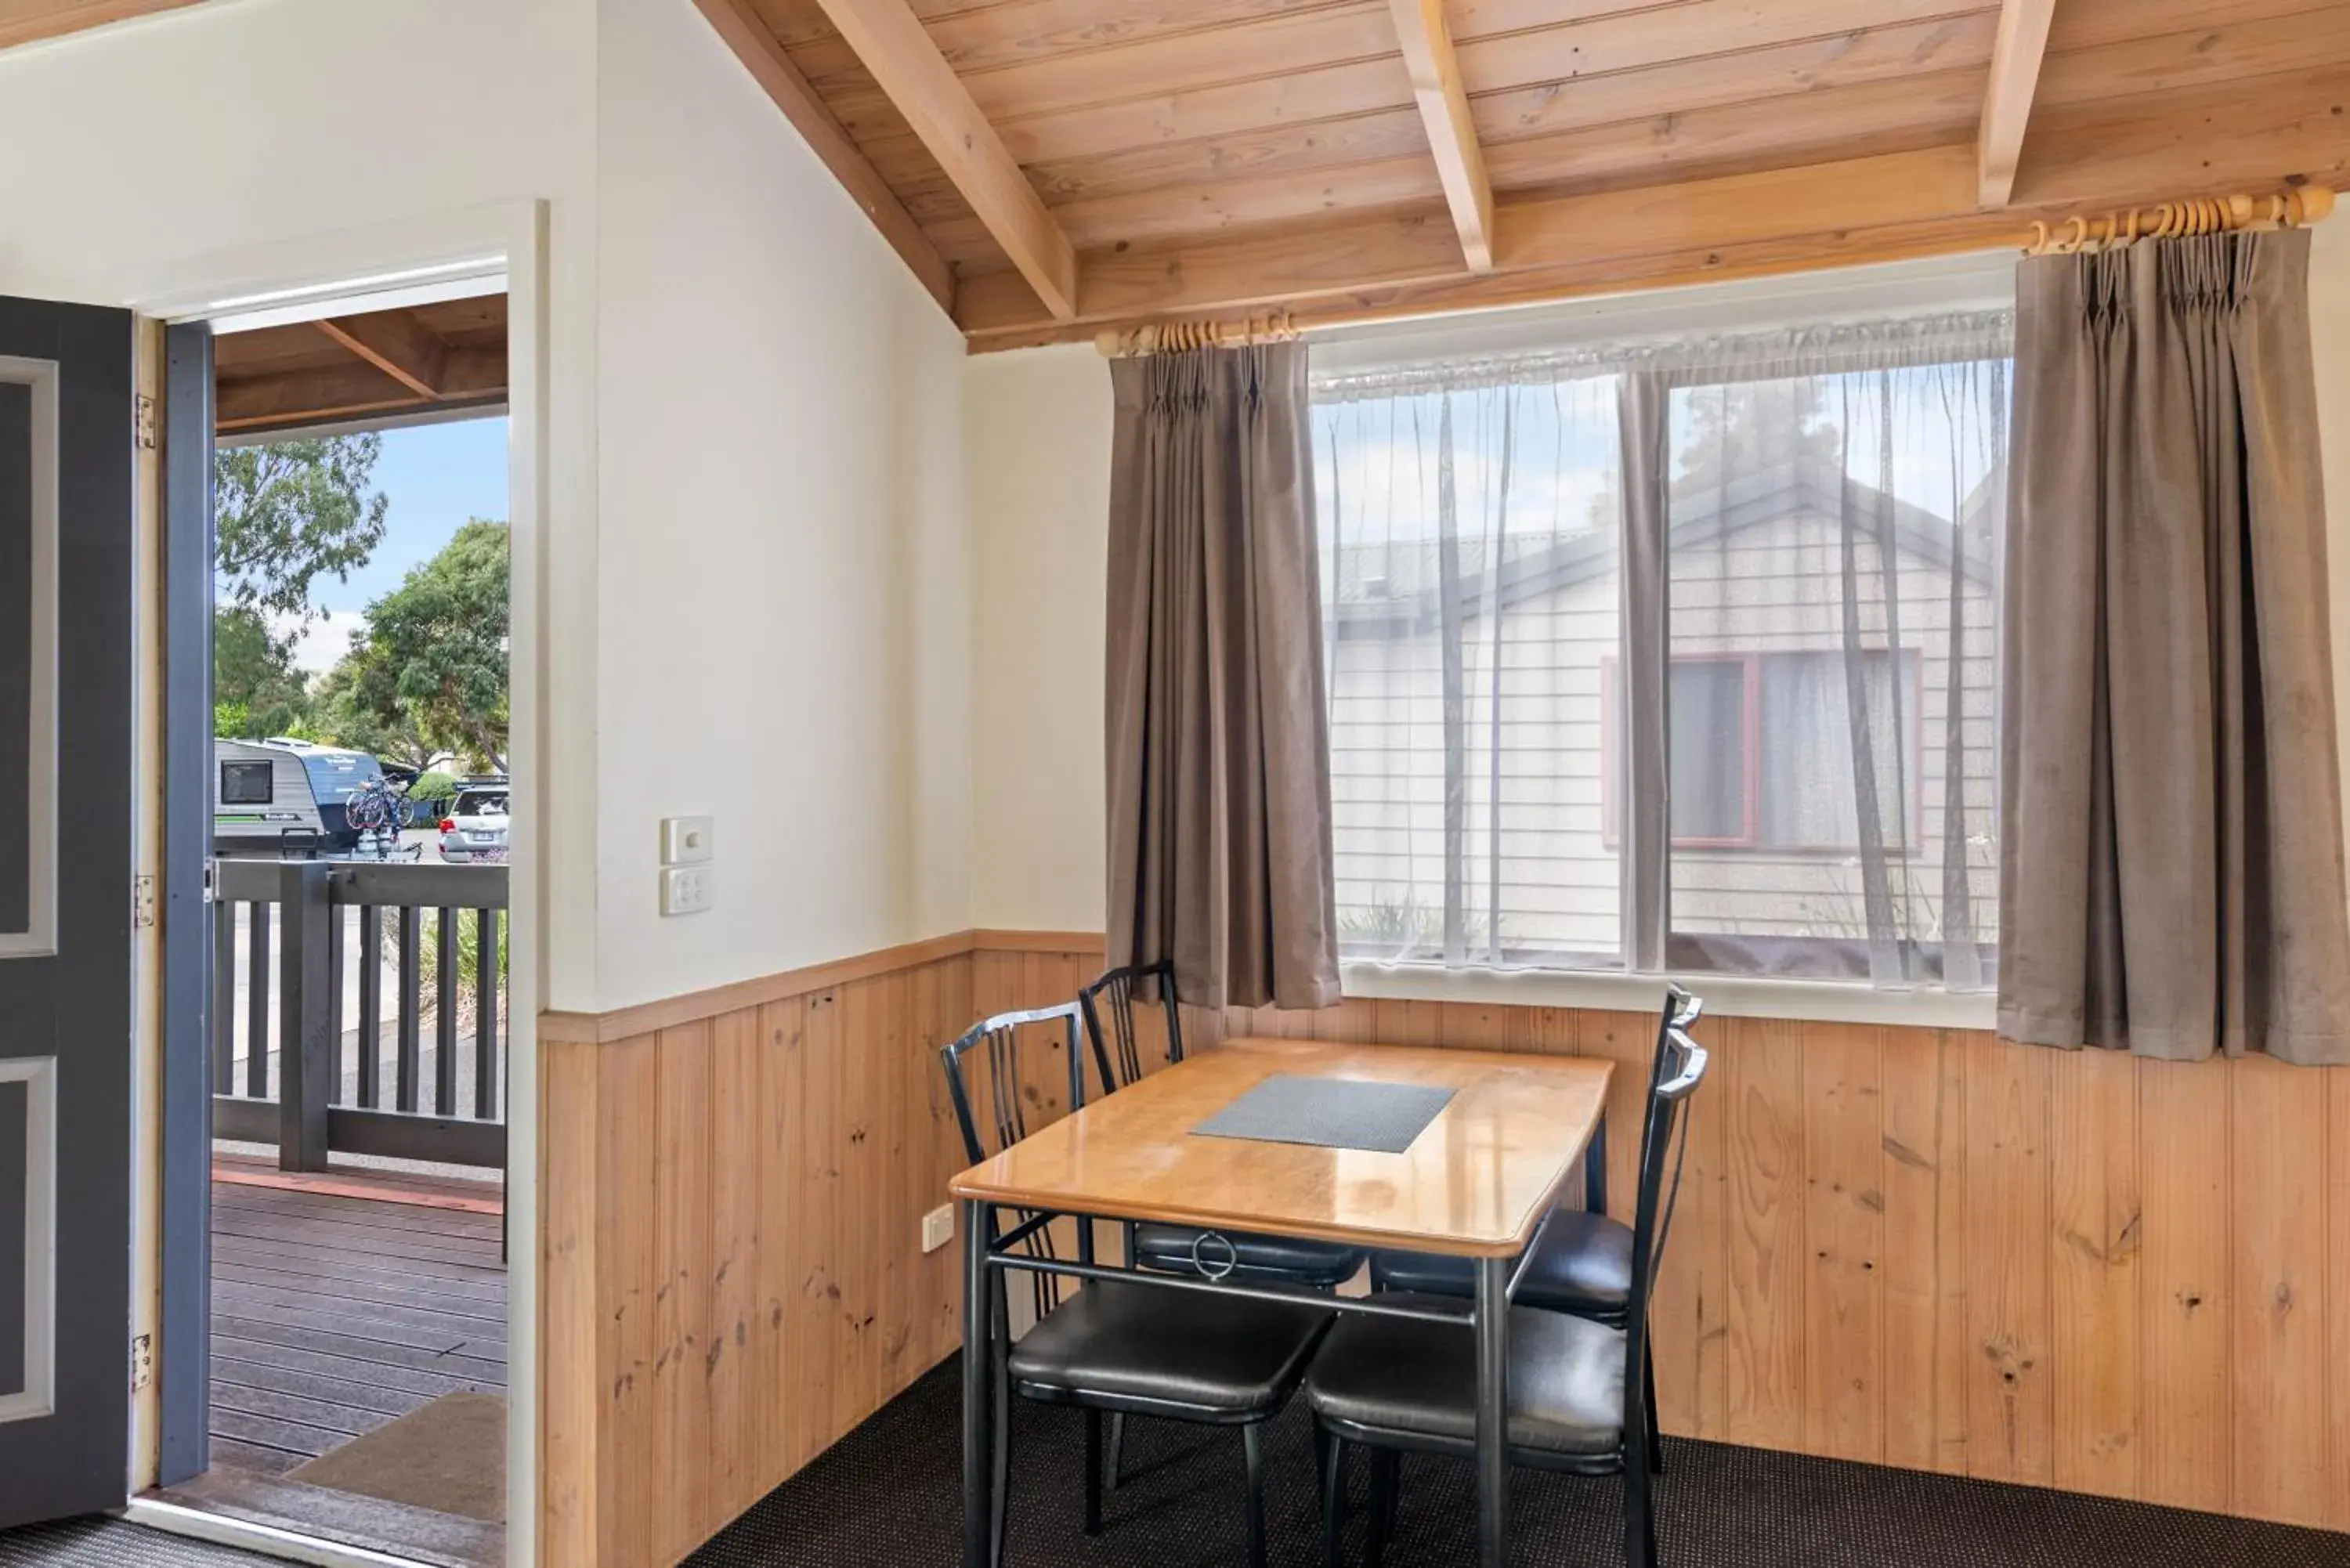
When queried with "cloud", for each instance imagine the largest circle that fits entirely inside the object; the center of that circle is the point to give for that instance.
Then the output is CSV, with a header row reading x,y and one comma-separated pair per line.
x,y
320,643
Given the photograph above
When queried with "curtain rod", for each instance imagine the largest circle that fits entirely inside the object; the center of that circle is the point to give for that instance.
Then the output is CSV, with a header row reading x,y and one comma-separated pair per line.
x,y
1174,337
2293,209
2297,207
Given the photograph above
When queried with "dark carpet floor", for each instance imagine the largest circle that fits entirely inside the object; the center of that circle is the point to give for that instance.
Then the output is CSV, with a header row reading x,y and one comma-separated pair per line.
x,y
890,1496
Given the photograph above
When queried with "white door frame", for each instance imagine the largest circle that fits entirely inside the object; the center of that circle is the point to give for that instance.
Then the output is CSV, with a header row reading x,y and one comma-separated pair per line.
x,y
509,238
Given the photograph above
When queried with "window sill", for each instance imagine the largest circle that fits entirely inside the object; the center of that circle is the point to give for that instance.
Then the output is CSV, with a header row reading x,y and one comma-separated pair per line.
x,y
1726,996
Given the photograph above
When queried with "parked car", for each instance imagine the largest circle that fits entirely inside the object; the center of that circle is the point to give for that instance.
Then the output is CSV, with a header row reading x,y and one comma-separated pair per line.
x,y
475,826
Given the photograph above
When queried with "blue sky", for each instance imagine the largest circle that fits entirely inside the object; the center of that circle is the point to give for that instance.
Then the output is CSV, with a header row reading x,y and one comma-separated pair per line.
x,y
437,476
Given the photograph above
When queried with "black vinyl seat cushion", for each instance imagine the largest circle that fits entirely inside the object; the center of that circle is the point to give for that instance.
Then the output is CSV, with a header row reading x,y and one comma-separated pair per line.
x,y
1221,1356
1168,1248
1582,1265
1417,1378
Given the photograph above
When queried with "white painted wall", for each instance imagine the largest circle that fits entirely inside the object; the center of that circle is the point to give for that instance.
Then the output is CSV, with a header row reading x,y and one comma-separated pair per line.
x,y
260,143
783,589
1037,433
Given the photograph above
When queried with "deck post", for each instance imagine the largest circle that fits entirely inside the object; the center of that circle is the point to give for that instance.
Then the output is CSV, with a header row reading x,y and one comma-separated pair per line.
x,y
306,1062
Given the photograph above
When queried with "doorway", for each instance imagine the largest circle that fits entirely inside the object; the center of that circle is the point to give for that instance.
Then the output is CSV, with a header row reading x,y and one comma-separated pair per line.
x,y
356,996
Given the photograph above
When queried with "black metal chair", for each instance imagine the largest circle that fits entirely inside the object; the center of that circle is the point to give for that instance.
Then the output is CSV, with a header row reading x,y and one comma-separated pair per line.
x,y
1112,1347
1581,1263
1110,1023
1577,1396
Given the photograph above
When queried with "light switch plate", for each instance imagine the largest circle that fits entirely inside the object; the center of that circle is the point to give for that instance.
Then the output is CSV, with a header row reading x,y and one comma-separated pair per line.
x,y
688,840
686,889
937,1227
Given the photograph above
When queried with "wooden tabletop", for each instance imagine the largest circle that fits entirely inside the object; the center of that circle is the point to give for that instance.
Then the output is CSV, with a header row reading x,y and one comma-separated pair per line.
x,y
1475,1183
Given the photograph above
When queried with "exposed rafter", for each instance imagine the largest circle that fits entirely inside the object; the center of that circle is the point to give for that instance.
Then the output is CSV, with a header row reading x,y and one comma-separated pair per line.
x,y
395,343
888,39
1451,134
2015,57
739,26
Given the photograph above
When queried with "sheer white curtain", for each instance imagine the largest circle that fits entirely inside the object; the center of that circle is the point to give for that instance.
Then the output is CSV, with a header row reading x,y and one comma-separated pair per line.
x,y
1678,655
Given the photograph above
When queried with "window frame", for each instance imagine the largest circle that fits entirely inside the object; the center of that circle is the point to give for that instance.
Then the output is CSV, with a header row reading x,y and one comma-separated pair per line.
x,y
1913,838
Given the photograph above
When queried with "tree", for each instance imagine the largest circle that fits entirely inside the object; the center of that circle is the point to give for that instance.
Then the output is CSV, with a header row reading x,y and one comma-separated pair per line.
x,y
431,660
345,721
257,690
288,512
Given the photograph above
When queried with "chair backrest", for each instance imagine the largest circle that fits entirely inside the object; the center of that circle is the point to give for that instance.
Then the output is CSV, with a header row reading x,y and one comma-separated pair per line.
x,y
1664,1146
1108,1004
1006,1119
1000,1038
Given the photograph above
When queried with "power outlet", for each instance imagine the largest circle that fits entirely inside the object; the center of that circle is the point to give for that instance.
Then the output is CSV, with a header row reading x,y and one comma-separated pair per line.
x,y
937,1227
686,889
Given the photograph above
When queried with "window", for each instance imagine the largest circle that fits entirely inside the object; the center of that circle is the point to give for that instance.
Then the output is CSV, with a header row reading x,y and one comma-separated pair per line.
x,y
1809,654
247,784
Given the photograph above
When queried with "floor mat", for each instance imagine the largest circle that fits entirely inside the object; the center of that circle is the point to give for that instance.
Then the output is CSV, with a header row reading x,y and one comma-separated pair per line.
x,y
111,1543
450,1456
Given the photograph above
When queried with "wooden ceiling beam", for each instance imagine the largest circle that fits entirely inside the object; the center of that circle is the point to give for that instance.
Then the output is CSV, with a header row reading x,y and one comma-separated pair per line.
x,y
888,39
2016,52
2212,139
1443,105
31,20
395,343
738,25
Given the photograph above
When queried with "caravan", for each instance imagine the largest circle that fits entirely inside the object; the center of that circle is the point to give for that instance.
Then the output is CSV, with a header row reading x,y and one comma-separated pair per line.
x,y
280,795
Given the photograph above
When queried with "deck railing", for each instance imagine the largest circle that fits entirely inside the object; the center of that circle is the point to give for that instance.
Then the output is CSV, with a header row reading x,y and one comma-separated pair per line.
x,y
348,971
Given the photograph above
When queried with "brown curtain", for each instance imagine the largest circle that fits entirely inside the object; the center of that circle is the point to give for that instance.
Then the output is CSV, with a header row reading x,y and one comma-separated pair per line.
x,y
2171,876
1219,741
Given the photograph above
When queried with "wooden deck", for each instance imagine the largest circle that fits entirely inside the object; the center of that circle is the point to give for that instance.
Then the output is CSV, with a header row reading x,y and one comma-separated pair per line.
x,y
333,1314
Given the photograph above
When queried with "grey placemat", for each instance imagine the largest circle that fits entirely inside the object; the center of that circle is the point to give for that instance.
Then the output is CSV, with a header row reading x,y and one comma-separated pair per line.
x,y
1331,1113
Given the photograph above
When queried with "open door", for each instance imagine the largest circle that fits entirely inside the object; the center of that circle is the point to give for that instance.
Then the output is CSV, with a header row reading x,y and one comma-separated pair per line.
x,y
68,440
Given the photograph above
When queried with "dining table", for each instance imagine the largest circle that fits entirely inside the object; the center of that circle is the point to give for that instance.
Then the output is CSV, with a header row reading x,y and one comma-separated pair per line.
x,y
1479,1181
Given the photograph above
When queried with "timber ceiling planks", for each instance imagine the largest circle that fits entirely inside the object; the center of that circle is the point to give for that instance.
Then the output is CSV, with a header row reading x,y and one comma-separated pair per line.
x,y
422,359
1214,156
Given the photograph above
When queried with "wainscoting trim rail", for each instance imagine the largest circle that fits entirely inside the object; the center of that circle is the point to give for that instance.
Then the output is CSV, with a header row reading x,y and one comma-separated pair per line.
x,y
693,1006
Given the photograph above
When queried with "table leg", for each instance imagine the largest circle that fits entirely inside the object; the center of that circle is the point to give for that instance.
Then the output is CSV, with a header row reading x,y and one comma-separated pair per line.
x,y
1594,1168
977,1386
1492,1331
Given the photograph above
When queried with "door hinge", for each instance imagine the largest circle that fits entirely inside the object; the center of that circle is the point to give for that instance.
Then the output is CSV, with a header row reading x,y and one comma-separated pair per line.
x,y
146,423
142,902
142,1361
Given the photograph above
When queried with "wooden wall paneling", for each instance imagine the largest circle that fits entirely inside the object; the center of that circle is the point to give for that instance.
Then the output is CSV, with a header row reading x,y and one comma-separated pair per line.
x,y
571,1365
1691,1332
2277,1148
738,1182
2337,1287
782,1355
1844,1242
2097,1231
630,1466
2010,1413
2187,1403
895,1105
681,1294
1763,1089
1923,1081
